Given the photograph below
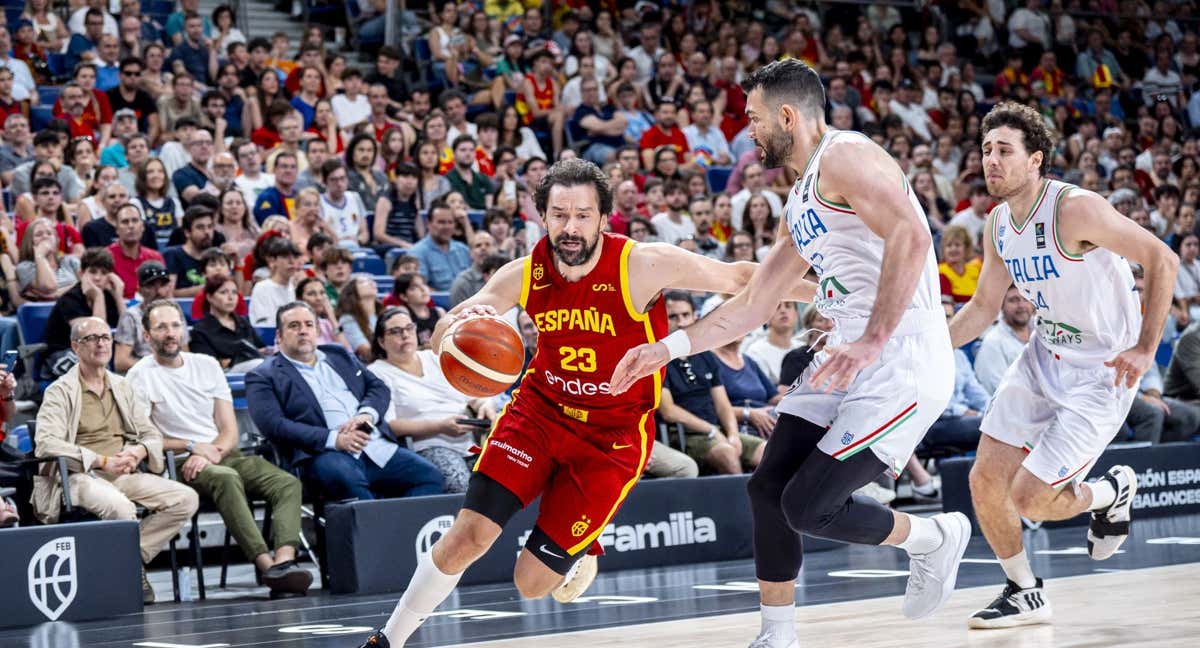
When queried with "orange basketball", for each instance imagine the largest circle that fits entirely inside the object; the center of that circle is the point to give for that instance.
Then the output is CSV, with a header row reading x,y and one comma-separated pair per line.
x,y
481,356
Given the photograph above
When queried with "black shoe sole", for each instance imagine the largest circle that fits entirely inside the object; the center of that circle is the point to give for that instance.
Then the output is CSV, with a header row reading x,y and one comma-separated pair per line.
x,y
296,581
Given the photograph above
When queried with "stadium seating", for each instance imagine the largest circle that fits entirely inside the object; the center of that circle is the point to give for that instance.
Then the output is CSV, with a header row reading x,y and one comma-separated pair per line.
x,y
32,318
718,177
369,263
267,333
441,299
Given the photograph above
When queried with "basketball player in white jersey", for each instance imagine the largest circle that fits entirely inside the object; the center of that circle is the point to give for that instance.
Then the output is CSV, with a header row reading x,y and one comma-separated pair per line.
x,y
1066,396
886,373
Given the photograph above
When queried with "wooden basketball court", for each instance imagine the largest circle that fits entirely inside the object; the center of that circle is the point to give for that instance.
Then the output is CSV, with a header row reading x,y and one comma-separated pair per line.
x,y
1151,607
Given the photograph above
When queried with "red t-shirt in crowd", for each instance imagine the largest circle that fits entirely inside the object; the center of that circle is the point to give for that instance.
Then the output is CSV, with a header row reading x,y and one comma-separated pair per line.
x,y
655,137
126,267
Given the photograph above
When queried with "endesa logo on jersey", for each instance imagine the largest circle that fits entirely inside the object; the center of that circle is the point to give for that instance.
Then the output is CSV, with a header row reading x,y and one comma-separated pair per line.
x,y
575,386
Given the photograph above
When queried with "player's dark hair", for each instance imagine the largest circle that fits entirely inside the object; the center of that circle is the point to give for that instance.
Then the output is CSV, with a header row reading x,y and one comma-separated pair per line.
x,y
790,81
573,173
1035,133
679,296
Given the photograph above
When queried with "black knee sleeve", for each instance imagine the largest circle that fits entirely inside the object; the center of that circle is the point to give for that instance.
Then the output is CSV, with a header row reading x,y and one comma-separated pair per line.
x,y
819,500
778,550
491,499
548,551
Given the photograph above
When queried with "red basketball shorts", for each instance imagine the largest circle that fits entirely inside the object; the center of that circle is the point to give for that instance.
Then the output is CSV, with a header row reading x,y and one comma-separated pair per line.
x,y
583,471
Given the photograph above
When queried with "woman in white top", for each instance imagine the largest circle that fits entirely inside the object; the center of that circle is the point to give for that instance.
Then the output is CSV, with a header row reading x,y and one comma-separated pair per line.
x,y
424,405
444,40
49,27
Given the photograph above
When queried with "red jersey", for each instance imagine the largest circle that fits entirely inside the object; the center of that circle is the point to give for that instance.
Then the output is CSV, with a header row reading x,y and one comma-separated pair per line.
x,y
543,96
584,328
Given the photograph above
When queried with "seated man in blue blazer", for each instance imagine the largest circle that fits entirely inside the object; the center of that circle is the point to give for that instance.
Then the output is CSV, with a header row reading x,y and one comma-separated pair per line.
x,y
324,411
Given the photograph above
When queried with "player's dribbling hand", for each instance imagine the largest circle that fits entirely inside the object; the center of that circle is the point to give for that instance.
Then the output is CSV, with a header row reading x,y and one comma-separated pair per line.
x,y
1130,365
842,364
638,362
478,310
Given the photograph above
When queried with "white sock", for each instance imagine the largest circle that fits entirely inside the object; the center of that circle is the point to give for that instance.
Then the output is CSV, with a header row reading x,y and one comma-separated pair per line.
x,y
1018,570
427,589
1103,494
780,621
924,535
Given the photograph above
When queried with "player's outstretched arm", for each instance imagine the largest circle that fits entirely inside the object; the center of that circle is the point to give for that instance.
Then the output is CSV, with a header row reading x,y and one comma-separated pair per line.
x,y
1085,220
977,314
498,295
863,175
661,266
771,283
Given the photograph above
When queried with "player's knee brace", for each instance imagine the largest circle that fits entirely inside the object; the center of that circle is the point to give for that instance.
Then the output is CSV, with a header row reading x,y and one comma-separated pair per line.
x,y
550,553
491,499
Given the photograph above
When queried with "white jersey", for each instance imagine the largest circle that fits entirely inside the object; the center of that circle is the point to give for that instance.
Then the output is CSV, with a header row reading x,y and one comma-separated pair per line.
x,y
344,219
846,255
1087,310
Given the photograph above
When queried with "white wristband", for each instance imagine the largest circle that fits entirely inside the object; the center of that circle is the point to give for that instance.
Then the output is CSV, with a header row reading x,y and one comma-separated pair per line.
x,y
678,344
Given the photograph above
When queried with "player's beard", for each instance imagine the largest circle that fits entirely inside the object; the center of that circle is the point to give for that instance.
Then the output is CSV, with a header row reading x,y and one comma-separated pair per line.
x,y
574,258
777,147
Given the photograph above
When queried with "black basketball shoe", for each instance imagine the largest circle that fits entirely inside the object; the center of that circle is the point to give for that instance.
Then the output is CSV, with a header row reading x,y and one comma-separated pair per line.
x,y
1014,607
376,640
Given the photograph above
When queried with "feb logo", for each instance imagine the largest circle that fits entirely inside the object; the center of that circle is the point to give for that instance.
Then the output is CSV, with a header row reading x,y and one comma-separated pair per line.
x,y
1062,472
429,534
847,438
581,527
53,577
538,272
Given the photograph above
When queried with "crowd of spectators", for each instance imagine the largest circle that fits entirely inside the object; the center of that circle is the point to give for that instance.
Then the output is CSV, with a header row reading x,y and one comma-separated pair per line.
x,y
190,160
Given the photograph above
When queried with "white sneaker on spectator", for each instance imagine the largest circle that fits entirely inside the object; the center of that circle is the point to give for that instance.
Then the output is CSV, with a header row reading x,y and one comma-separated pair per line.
x,y
932,576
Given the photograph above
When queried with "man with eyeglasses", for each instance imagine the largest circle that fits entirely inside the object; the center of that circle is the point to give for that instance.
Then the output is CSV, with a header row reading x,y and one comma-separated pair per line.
x,y
188,398
102,231
90,417
100,293
752,185
194,178
153,283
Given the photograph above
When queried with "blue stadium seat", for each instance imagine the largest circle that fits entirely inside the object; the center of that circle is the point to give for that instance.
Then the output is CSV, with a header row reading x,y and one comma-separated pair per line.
x,y
267,333
13,4
476,216
1162,356
186,304
13,14
370,264
237,389
40,117
32,318
384,284
158,6
47,95
718,177
57,64
441,299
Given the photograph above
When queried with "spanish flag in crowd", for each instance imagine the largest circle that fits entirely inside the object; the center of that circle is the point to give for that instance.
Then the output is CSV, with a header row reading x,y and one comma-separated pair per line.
x,y
1102,77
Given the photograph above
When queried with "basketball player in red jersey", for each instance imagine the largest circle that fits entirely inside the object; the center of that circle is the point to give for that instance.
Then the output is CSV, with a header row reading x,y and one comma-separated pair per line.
x,y
592,295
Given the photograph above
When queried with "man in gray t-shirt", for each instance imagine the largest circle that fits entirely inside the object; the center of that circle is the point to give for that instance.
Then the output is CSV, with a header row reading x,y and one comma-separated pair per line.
x,y
153,283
